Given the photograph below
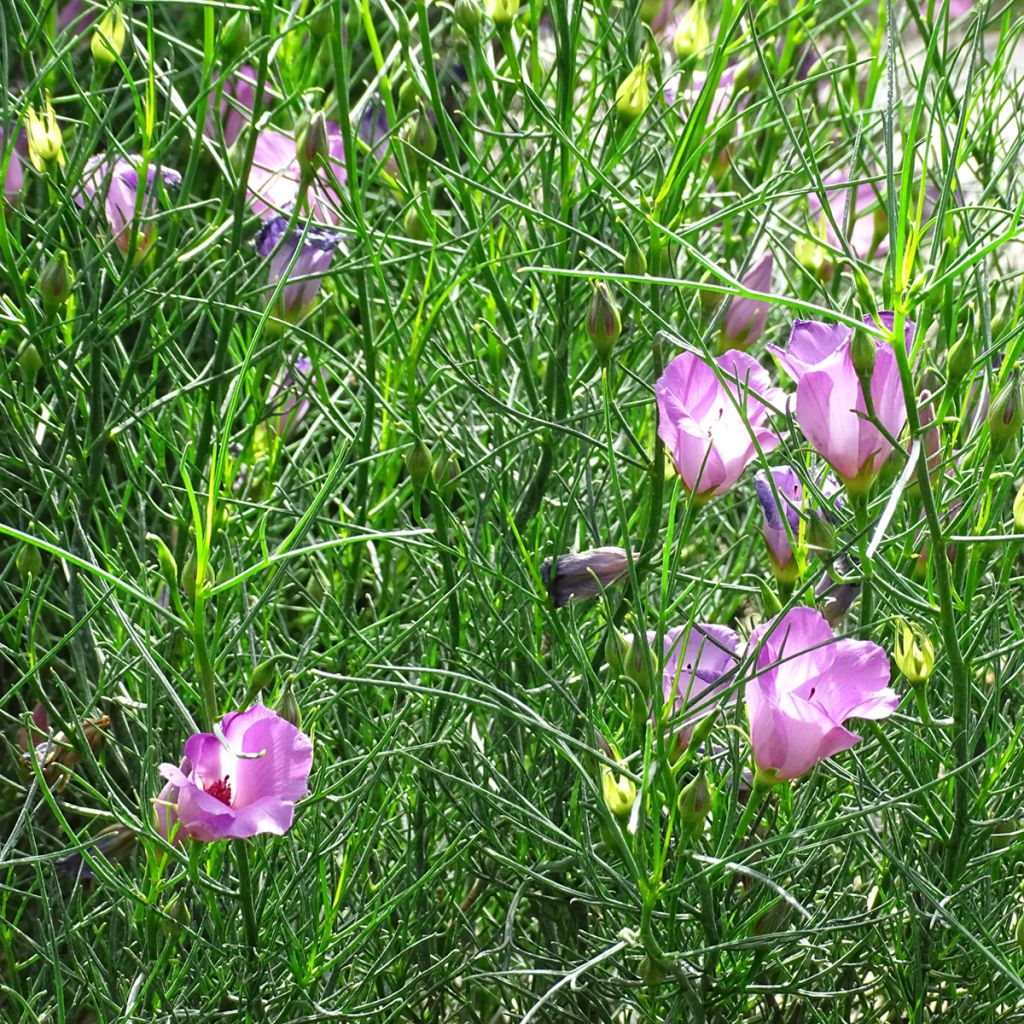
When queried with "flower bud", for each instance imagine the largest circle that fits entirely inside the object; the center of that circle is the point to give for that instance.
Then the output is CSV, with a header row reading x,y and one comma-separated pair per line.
x,y
504,12
176,916
810,255
409,96
692,36
914,652
863,352
468,15
1018,510
418,464
640,665
45,141
694,803
287,707
604,324
312,150
619,792
188,576
960,359
582,575
55,282
30,362
108,37
419,138
28,561
264,674
632,96
236,35
1006,415
413,225
649,10
616,651
165,560
635,262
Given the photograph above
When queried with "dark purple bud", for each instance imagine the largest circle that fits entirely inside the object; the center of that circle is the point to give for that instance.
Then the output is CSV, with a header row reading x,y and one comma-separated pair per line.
x,y
582,575
1006,415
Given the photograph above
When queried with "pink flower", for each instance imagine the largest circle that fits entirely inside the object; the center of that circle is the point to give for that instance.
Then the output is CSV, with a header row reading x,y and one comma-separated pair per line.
x,y
697,660
866,229
687,95
239,786
288,398
808,684
14,171
830,406
237,102
115,180
790,493
745,318
712,427
38,732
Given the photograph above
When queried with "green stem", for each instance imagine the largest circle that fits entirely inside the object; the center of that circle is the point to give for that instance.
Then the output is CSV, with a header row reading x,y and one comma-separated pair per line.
x,y
252,932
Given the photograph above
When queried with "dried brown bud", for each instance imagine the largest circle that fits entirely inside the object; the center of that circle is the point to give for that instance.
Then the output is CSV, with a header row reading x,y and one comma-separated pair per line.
x,y
582,575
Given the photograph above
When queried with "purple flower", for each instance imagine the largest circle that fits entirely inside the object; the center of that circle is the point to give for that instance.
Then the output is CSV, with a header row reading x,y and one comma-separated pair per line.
x,y
745,318
698,659
238,100
301,258
866,230
71,15
583,575
688,95
239,784
808,684
116,182
287,398
713,427
14,171
830,406
790,493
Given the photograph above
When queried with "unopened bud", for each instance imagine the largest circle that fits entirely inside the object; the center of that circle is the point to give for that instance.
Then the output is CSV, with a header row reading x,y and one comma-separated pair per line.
x,y
165,560
616,651
409,96
419,138
1006,415
1018,510
287,707
649,10
820,534
188,576
810,255
640,663
468,15
418,464
236,35
312,150
413,225
582,575
28,561
55,282
864,291
914,652
692,36
770,603
619,792
321,21
108,37
30,362
45,141
635,262
404,28
176,916
504,12
604,323
264,674
863,352
632,96
694,803
960,359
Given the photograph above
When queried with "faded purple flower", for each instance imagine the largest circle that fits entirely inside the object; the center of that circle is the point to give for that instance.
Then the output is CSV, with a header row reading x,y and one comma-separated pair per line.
x,y
790,492
14,169
866,231
808,683
698,662
115,180
582,575
241,783
745,318
237,102
288,399
713,427
301,258
687,95
830,406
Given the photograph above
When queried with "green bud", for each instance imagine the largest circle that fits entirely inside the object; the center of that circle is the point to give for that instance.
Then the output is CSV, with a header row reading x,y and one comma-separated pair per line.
x,y
165,560
619,792
632,96
108,37
413,225
1006,415
404,28
468,15
863,351
503,12
649,10
640,663
55,282
264,674
960,358
236,35
30,362
188,577
810,255
28,561
321,21
1018,510
176,917
692,36
418,464
694,803
419,137
914,652
770,604
45,139
409,96
616,651
820,534
287,707
635,262
604,323
864,291
312,150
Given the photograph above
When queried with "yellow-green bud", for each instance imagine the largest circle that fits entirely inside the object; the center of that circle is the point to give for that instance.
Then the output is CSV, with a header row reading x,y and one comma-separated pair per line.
x,y
45,141
30,362
810,255
692,36
28,561
1018,509
1006,415
188,576
55,282
914,652
635,262
419,137
863,352
467,15
632,96
409,96
649,10
418,464
321,21
616,651
960,359
694,803
108,37
312,147
413,225
165,560
604,323
504,12
619,792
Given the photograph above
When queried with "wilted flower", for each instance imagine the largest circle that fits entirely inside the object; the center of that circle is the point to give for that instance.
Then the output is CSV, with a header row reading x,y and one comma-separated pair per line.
x,y
713,427
830,406
115,180
835,597
37,734
239,783
698,662
115,843
288,399
865,231
745,318
582,575
808,683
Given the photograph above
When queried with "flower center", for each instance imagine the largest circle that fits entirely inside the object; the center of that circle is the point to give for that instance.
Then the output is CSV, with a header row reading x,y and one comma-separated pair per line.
x,y
221,789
